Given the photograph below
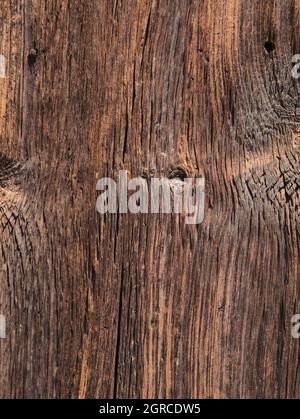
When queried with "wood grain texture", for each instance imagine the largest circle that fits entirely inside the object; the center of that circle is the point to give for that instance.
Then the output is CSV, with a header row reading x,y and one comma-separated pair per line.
x,y
144,305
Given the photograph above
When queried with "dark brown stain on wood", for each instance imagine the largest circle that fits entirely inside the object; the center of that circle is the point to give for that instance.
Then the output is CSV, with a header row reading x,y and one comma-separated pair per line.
x,y
146,306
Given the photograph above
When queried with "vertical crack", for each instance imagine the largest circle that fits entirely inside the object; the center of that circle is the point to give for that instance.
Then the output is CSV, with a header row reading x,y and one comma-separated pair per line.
x,y
116,372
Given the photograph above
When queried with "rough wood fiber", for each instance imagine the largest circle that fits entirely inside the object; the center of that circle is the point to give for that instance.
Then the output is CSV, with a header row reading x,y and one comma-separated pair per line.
x,y
146,306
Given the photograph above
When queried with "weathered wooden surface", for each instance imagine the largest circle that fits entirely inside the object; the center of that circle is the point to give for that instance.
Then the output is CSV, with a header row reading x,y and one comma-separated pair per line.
x,y
146,306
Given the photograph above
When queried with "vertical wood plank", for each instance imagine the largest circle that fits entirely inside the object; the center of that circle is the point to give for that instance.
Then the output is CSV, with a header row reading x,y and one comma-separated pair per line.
x,y
145,305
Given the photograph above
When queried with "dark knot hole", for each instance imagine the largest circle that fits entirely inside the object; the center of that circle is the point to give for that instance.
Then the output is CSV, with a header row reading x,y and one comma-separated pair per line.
x,y
178,173
269,46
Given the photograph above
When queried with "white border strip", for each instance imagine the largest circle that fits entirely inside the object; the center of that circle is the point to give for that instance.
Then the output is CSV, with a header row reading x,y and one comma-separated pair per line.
x,y
2,67
2,327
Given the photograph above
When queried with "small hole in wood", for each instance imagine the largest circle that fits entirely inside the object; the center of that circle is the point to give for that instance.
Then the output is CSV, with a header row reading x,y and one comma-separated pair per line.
x,y
269,46
178,173
32,56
